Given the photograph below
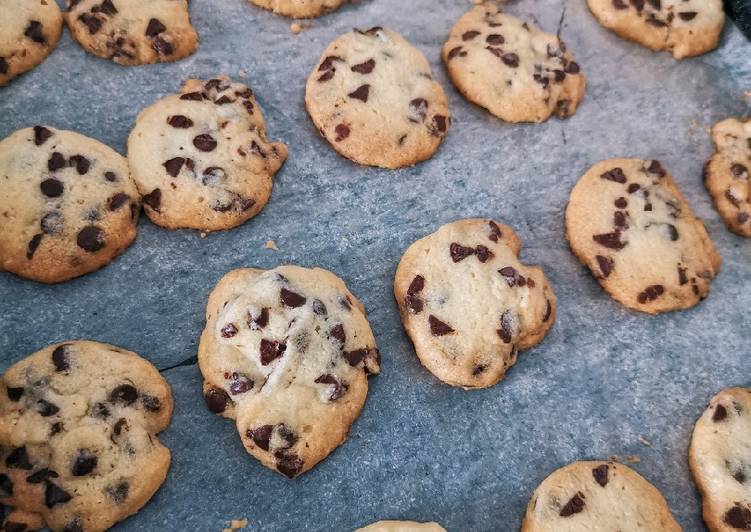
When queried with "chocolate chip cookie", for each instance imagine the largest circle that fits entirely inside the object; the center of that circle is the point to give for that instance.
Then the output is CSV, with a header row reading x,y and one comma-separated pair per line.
x,y
78,444
133,32
373,97
628,222
512,68
597,496
67,203
201,158
684,27
287,353
402,526
29,31
468,304
727,174
720,460
299,8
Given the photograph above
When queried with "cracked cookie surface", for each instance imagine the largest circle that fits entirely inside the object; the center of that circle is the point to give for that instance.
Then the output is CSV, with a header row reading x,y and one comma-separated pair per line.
x,y
67,203
78,444
628,222
201,158
511,68
299,8
286,353
468,304
373,97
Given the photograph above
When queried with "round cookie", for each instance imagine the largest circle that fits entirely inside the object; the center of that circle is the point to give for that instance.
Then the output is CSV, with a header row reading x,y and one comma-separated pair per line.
x,y
727,174
133,32
67,203
201,158
373,97
720,460
29,31
628,222
287,353
402,526
468,304
684,27
511,68
78,444
299,8
597,496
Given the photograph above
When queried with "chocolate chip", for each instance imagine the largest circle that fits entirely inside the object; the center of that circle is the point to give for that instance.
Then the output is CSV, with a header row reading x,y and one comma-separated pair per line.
x,y
271,350
319,309
327,75
51,187
616,174
633,187
495,38
417,285
459,253
18,459
154,28
118,492
84,463
229,330
687,15
33,245
328,63
510,274
34,31
261,436
621,203
153,199
92,23
4,70
495,231
438,328
60,358
469,35
216,399
740,476
110,176
224,100
364,68
548,311
339,387
342,132
257,323
174,165
506,332
14,394
53,495
738,517
672,232
439,123
720,413
600,473
572,67
151,403
510,59
46,409
81,163
606,265
656,168
291,299
738,170
192,96
370,356
117,201
361,93
100,410
573,506
483,253
91,238
457,50
40,476
56,428
610,240
41,133
240,384
337,331
180,122
125,394
120,426
6,485
204,142
289,465
650,293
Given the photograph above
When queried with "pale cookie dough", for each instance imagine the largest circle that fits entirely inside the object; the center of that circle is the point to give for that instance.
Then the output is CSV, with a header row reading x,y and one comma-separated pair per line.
x,y
402,526
299,8
287,353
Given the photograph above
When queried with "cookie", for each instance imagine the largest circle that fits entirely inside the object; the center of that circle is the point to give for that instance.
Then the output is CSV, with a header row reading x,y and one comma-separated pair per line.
x,y
629,224
78,444
133,32
201,158
286,353
720,460
511,68
67,203
299,8
684,27
727,174
597,496
373,97
468,304
402,526
29,31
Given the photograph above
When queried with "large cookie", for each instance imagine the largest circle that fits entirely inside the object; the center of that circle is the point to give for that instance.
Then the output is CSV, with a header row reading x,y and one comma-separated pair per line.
x,y
720,460
299,8
373,97
629,224
468,304
597,496
286,353
67,204
727,174
402,526
29,31
201,158
78,444
684,27
510,67
133,32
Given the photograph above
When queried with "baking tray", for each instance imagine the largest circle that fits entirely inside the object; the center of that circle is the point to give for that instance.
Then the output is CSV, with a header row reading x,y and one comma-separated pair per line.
x,y
606,380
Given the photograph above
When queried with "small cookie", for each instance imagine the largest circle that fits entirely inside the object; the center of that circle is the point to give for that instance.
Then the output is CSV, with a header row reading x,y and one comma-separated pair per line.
x,y
727,174
684,27
597,496
133,32
720,460
299,8
402,526
78,444
511,68
201,158
628,222
67,202
468,304
286,353
373,97
29,31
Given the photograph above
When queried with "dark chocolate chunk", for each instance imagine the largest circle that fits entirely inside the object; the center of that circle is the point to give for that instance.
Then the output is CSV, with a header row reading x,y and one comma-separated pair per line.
x,y
51,187
291,299
616,175
261,436
289,465
118,492
84,463
47,409
125,394
33,245
506,332
154,28
92,23
34,31
738,517
60,358
6,486
151,403
573,506
240,384
361,93
91,238
610,240
117,201
153,199
495,231
40,476
342,132
600,473
364,68
14,394
606,265
204,142
81,163
56,162
656,168
687,15
216,399
229,330
438,328
271,350
469,35
720,413
459,252
650,293
41,133
53,495
18,459
339,387
180,122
